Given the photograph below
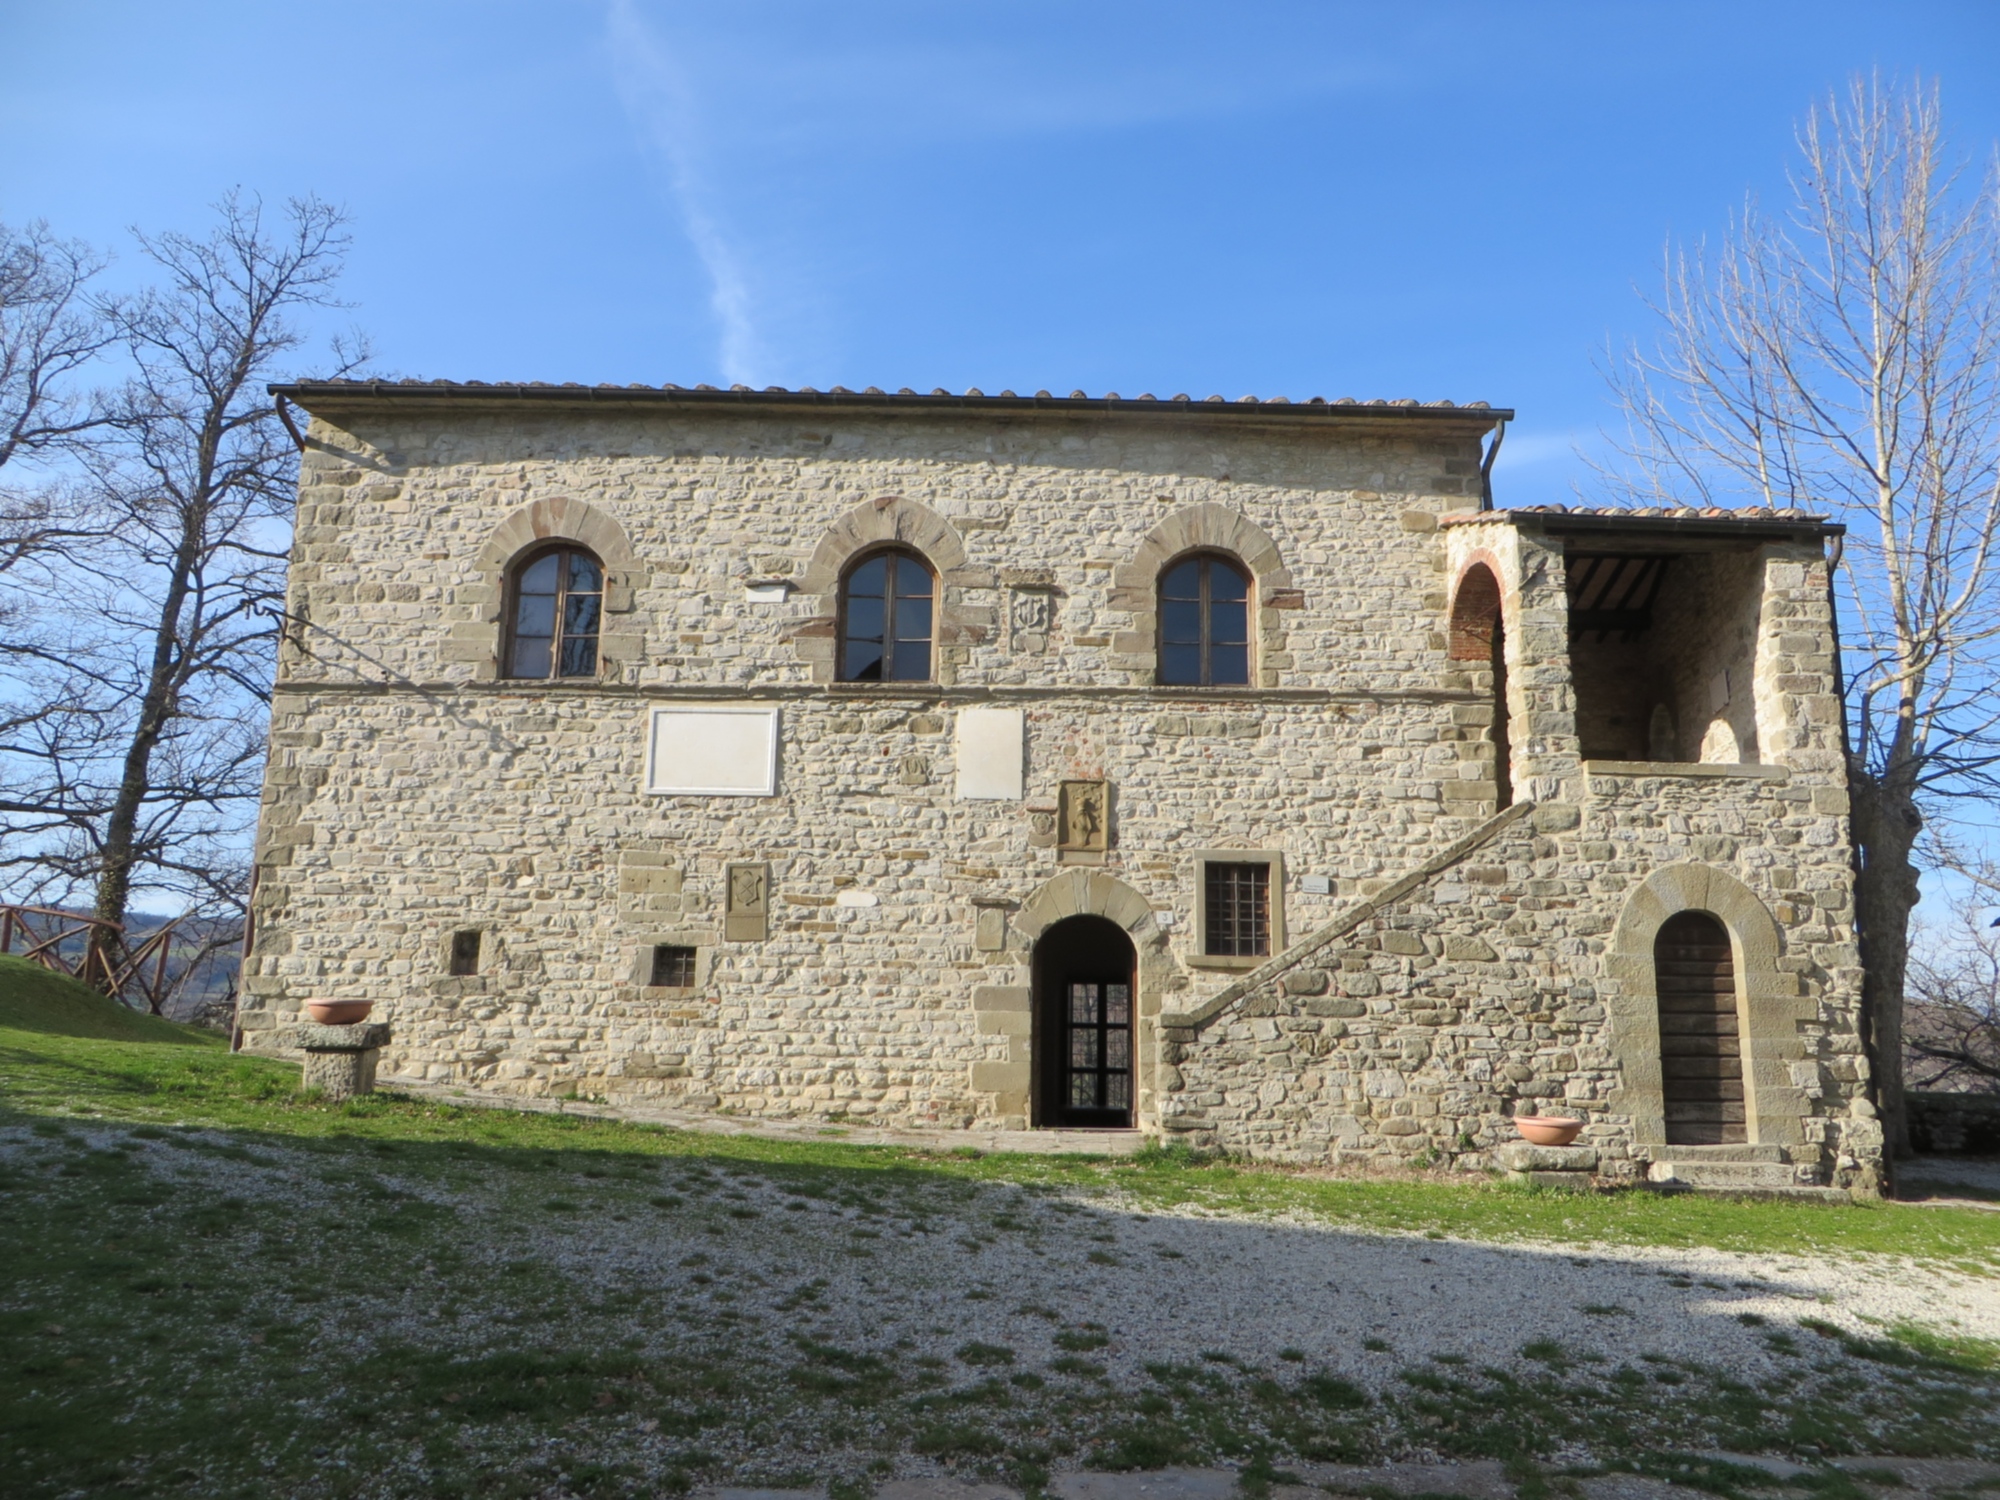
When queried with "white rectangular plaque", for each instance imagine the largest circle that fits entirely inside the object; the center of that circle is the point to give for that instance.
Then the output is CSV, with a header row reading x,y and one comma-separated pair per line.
x,y
698,750
991,753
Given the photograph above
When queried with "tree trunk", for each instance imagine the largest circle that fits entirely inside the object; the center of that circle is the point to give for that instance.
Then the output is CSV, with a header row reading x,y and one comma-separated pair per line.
x,y
1886,826
119,852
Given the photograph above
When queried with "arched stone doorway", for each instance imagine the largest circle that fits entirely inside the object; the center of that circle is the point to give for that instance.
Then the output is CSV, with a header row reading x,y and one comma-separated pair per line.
x,y
1085,1025
1701,1053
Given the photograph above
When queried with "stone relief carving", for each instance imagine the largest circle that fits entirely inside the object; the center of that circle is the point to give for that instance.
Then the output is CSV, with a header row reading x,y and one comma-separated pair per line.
x,y
1084,819
747,903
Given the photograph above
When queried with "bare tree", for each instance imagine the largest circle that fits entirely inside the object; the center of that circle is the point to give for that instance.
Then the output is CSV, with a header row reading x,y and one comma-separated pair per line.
x,y
1952,1036
1846,357
147,774
50,331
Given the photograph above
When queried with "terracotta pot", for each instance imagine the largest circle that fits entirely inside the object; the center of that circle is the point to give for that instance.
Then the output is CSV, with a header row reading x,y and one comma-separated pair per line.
x,y
339,1012
1548,1130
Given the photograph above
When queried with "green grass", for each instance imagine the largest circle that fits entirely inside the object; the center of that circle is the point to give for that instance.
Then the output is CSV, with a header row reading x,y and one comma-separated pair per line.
x,y
218,1286
201,1083
39,1000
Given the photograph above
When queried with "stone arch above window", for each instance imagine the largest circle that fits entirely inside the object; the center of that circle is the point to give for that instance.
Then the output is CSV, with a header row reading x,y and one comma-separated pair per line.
x,y
1203,528
893,523
1770,1004
535,528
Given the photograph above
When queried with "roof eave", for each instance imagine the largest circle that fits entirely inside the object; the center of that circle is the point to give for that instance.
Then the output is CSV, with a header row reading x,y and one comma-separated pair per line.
x,y
331,395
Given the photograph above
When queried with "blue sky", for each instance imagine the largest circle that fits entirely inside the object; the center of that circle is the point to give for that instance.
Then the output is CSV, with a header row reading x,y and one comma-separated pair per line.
x,y
1370,200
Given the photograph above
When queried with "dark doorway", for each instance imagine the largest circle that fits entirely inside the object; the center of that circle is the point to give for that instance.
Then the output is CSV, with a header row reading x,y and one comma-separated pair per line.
x,y
1701,1053
1085,1004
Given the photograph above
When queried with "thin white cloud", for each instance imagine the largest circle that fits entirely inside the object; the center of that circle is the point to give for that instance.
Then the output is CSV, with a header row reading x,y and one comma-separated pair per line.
x,y
656,95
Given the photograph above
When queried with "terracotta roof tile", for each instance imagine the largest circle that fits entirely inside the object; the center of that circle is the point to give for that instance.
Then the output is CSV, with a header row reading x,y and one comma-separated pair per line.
x,y
1652,512
305,389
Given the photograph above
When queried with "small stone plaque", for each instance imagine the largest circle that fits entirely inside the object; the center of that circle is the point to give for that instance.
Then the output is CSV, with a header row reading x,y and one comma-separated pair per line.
x,y
1083,818
1316,885
713,751
747,904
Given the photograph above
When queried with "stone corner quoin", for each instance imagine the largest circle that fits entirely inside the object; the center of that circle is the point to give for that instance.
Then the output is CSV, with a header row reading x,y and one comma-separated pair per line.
x,y
1426,864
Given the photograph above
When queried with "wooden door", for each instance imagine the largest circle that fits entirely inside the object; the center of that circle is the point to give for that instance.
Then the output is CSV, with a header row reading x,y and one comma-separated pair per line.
x,y
1701,1052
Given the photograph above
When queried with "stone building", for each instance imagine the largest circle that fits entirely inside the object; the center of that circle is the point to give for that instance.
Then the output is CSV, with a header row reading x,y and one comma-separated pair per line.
x,y
1220,770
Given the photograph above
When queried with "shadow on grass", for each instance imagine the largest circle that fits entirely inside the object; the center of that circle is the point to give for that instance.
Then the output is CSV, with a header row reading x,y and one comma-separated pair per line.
x,y
397,1297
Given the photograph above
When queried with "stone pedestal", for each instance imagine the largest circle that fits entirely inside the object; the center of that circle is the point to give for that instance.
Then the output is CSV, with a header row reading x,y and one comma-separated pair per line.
x,y
1571,1167
340,1060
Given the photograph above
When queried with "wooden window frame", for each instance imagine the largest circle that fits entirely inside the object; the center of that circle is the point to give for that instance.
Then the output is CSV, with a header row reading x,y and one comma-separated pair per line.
x,y
1207,557
1274,859
847,573
512,614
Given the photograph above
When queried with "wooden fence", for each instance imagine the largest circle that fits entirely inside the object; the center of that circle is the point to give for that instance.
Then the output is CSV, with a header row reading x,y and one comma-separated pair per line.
x,y
136,975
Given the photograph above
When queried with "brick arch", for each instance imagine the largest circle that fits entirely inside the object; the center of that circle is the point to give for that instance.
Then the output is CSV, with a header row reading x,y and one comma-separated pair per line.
x,y
894,521
1769,1004
621,643
1476,605
1203,528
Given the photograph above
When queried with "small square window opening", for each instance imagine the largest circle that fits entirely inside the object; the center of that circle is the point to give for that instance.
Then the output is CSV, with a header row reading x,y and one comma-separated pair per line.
x,y
465,953
1239,910
673,967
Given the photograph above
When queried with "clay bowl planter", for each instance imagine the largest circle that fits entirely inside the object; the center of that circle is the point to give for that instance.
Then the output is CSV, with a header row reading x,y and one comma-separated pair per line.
x,y
1548,1130
339,1012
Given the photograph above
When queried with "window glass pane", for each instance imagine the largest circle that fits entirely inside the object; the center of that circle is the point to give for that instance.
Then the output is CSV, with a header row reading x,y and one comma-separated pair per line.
x,y
1118,1091
580,614
583,575
866,580
1229,624
1180,622
579,656
539,577
1182,581
1118,1049
1118,1004
1225,583
913,661
531,656
1229,664
864,619
1083,1002
863,663
1083,1047
1083,1090
913,619
1180,664
535,614
913,579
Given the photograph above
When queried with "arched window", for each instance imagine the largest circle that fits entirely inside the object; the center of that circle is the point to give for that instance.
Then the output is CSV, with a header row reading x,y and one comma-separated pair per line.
x,y
885,619
557,605
1205,623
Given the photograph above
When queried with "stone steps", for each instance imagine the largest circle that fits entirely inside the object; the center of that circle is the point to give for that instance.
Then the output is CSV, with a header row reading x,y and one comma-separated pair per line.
x,y
1731,1176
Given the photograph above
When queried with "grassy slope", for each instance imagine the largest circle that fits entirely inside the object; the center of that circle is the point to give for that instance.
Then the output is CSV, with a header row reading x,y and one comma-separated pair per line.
x,y
39,1000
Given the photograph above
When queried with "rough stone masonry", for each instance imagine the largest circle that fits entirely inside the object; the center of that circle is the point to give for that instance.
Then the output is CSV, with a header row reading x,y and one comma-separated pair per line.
x,y
883,908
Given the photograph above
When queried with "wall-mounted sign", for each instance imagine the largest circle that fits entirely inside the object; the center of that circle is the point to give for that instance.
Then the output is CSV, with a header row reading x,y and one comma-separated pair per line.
x,y
992,747
702,750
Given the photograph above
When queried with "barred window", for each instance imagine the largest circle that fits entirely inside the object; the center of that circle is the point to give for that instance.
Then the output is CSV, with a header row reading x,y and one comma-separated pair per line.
x,y
673,967
1238,910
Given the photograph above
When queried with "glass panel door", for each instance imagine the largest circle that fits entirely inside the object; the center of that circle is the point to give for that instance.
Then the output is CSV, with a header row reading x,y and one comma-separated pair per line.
x,y
1098,1059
